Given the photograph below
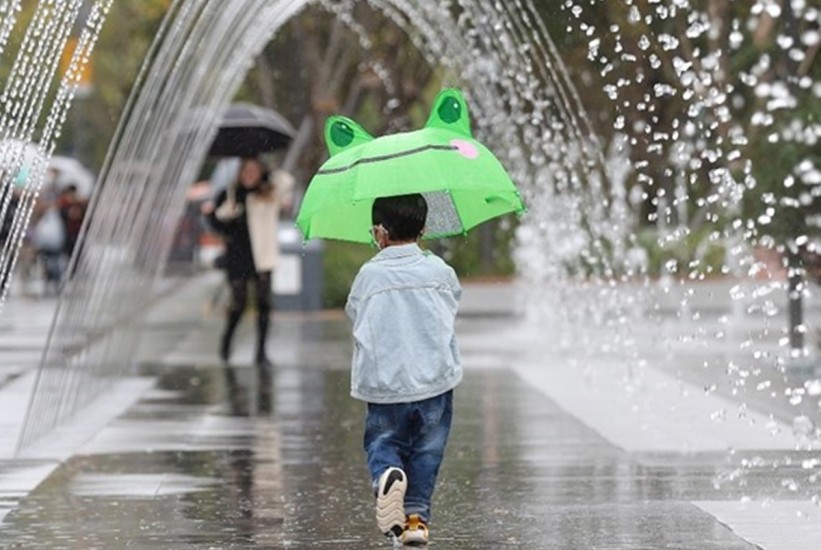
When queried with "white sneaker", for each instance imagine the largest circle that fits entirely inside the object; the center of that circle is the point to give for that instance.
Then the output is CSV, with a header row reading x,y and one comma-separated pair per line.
x,y
390,502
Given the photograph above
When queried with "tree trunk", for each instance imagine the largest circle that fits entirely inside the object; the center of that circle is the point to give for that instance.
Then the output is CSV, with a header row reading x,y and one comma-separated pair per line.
x,y
265,81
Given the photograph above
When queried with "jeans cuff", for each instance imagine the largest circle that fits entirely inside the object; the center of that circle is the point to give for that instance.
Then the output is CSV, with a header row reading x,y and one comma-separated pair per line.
x,y
422,512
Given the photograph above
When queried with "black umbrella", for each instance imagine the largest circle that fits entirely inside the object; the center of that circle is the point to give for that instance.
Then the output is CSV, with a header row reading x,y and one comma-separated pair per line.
x,y
248,130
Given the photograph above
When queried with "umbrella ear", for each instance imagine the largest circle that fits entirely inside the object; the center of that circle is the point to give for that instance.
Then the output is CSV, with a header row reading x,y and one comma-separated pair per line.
x,y
450,111
342,133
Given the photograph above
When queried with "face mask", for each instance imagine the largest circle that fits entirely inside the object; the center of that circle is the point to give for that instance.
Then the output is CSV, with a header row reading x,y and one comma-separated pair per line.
x,y
376,232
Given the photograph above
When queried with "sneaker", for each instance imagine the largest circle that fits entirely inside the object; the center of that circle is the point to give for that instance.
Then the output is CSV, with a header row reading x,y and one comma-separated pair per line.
x,y
390,502
415,533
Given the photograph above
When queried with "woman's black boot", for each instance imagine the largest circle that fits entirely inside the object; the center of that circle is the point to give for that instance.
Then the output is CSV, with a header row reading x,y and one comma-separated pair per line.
x,y
228,335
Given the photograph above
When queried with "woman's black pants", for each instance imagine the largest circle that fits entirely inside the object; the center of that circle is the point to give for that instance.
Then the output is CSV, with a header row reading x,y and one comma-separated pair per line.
x,y
239,298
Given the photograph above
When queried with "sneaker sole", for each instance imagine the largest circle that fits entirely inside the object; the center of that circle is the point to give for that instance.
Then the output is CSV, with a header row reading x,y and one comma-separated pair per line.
x,y
390,502
411,539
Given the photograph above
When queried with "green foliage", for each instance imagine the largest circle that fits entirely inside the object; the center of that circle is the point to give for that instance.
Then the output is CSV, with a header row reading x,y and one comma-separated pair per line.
x,y
760,139
341,262
699,254
304,71
779,180
484,252
120,53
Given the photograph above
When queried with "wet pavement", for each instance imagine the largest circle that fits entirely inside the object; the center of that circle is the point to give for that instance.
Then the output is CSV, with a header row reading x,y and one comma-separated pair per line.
x,y
223,458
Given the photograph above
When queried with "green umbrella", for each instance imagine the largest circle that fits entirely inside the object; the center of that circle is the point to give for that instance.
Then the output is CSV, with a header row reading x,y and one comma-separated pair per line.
x,y
463,183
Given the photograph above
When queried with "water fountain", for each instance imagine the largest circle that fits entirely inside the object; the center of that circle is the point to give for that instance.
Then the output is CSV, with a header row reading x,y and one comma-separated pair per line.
x,y
35,89
574,245
730,143
125,247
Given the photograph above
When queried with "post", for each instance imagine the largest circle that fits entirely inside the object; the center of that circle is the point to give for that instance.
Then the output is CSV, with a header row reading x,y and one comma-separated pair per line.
x,y
795,291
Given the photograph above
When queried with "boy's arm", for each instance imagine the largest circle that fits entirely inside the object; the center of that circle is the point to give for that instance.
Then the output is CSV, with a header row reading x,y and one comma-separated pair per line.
x,y
455,286
351,307
352,304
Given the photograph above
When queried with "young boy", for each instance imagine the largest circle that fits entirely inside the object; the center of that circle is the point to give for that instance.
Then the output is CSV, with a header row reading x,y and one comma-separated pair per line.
x,y
405,365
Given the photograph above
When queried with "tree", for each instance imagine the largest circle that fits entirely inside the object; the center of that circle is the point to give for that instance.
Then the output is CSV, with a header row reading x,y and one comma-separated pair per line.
x,y
704,91
116,64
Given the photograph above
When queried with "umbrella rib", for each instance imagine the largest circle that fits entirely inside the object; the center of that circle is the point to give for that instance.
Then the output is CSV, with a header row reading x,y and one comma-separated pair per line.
x,y
327,171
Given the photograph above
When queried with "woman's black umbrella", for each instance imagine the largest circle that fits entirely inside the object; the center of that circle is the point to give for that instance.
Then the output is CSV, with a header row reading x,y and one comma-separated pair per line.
x,y
248,130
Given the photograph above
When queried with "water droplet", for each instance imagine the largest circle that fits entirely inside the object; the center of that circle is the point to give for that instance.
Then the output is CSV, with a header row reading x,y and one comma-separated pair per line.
x,y
773,427
719,416
696,29
644,43
810,463
813,387
803,426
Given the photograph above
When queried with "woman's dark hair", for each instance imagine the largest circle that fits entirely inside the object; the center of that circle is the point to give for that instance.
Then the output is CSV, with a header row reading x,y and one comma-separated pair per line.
x,y
403,216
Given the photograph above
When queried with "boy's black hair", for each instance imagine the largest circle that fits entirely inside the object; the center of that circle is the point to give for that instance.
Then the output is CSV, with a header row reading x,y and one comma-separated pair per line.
x,y
403,216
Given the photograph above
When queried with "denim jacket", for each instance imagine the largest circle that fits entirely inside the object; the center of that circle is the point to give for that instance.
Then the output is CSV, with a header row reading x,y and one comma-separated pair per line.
x,y
403,306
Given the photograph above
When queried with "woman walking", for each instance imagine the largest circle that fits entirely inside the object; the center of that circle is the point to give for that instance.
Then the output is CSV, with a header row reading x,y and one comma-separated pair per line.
x,y
247,214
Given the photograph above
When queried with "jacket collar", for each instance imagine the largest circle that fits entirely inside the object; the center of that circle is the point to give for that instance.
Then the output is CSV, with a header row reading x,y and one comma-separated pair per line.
x,y
398,251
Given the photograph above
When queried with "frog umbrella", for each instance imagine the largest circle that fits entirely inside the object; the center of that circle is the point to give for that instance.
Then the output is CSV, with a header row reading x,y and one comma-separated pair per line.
x,y
462,181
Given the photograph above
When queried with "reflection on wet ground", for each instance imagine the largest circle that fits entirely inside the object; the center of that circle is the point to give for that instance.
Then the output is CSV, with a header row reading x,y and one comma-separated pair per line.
x,y
216,458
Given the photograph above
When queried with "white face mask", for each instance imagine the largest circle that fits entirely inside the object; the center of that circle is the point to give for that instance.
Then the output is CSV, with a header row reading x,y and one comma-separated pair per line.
x,y
376,232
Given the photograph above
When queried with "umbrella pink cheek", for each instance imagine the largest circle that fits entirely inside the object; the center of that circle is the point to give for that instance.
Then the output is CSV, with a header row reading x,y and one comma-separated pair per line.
x,y
465,148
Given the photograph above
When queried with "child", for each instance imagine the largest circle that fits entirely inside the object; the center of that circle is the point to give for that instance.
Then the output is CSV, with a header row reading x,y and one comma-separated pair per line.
x,y
405,364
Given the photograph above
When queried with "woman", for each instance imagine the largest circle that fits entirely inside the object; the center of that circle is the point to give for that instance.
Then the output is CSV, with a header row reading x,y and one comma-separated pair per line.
x,y
246,213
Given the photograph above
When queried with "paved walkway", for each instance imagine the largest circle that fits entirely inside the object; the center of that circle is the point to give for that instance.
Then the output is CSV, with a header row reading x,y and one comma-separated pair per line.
x,y
550,450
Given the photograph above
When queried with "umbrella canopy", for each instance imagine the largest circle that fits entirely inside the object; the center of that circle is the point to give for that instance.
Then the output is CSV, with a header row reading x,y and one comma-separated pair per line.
x,y
66,170
248,130
70,171
225,172
462,181
20,157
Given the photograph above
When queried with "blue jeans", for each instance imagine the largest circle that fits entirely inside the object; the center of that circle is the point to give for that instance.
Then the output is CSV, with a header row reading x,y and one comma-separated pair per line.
x,y
411,436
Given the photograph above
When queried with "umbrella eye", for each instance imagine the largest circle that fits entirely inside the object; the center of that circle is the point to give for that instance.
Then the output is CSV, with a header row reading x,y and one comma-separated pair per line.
x,y
341,134
450,110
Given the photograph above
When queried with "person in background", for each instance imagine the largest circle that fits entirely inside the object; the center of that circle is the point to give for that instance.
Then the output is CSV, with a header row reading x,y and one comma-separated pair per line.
x,y
7,228
246,214
49,237
72,210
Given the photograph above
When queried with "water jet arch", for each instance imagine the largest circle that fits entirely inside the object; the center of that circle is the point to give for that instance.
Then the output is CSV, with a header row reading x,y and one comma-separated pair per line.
x,y
522,103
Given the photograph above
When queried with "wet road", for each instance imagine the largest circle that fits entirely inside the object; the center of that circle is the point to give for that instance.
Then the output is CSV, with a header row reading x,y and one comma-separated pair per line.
x,y
221,459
